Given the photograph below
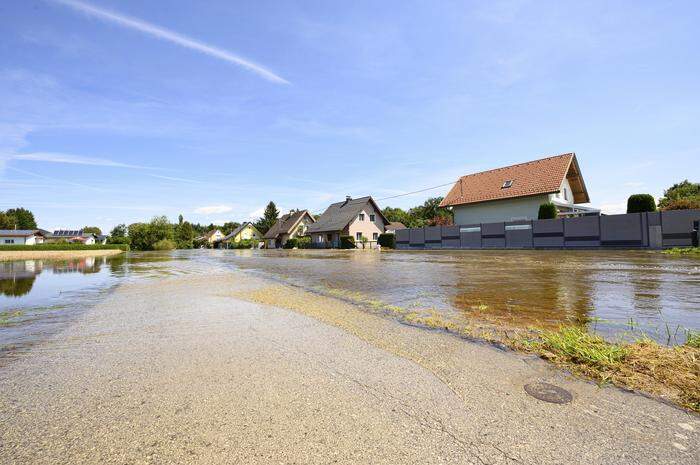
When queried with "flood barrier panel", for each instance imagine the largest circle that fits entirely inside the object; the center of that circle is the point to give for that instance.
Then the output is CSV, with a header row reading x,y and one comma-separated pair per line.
x,y
627,231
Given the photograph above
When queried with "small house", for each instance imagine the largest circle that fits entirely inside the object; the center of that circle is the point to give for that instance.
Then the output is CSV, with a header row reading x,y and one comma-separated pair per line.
x,y
293,224
245,232
21,237
76,236
360,218
212,238
516,192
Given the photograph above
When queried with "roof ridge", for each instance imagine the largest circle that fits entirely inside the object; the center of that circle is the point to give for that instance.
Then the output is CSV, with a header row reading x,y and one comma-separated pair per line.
x,y
518,164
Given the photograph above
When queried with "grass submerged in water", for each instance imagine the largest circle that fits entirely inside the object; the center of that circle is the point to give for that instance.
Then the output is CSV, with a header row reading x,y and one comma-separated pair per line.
x,y
672,373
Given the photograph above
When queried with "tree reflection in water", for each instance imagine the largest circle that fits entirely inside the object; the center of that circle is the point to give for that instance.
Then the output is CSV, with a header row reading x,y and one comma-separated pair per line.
x,y
17,277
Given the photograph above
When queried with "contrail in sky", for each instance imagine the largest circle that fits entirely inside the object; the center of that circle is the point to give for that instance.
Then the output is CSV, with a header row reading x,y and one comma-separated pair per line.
x,y
171,36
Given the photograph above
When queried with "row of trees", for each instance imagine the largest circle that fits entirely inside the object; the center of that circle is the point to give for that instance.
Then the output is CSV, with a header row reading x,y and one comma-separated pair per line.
x,y
17,218
427,214
681,196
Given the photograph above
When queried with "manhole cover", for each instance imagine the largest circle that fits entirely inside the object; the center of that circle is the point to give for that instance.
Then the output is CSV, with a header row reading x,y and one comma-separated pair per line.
x,y
549,393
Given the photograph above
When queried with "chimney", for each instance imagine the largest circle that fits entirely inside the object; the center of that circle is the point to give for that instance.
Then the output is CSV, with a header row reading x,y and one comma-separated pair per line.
x,y
347,199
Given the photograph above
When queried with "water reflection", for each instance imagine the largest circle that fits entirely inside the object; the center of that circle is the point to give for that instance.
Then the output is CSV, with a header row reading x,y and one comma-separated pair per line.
x,y
17,278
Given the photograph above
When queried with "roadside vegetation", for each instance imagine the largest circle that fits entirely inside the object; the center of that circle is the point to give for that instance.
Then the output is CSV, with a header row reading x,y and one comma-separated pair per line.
x,y
64,246
672,373
683,251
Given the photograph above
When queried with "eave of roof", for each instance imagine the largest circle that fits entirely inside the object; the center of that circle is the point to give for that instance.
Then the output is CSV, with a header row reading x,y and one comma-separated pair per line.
x,y
536,177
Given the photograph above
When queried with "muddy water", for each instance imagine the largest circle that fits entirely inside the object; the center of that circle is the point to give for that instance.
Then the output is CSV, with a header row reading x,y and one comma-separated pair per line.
x,y
615,294
620,295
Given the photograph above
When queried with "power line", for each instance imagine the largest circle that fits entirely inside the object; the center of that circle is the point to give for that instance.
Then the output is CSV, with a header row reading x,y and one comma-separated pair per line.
x,y
417,192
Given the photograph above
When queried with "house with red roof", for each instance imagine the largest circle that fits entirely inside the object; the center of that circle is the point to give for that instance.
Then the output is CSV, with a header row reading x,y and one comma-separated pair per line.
x,y
516,192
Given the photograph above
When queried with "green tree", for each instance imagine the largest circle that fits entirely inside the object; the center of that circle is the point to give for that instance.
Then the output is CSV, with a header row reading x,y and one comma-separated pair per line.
x,y
180,219
118,235
638,203
547,211
6,222
21,218
160,228
184,235
138,236
269,218
229,226
92,229
682,195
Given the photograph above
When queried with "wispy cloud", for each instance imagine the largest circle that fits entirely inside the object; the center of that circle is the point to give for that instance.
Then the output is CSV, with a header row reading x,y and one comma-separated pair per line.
x,y
49,178
53,157
213,209
172,37
176,179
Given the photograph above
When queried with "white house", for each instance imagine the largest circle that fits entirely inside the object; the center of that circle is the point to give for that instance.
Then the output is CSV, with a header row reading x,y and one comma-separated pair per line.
x,y
516,192
291,225
20,237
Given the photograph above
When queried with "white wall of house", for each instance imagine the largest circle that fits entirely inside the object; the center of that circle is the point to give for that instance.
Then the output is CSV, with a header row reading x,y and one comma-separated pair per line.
x,y
565,193
89,240
367,223
523,208
17,240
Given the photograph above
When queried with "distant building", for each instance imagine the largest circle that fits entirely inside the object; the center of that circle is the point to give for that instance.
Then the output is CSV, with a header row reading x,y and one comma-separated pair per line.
x,y
516,192
359,218
293,224
244,232
72,236
21,237
212,238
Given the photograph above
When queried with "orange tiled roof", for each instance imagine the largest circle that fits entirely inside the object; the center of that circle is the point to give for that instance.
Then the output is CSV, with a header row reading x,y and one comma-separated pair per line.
x,y
536,177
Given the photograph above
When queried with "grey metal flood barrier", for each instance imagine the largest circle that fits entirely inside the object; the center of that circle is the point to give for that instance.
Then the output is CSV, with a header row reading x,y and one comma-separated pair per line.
x,y
629,231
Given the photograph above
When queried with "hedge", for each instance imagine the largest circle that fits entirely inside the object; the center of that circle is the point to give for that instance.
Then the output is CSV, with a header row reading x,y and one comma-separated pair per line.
x,y
67,246
347,242
387,240
547,211
639,203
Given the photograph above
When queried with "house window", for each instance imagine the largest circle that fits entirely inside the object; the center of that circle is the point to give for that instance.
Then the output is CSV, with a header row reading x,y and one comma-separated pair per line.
x,y
9,241
375,236
507,184
566,196
362,217
358,236
372,217
329,237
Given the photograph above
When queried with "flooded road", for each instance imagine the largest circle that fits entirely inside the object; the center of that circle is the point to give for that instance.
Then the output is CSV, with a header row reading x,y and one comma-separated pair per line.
x,y
620,295
623,294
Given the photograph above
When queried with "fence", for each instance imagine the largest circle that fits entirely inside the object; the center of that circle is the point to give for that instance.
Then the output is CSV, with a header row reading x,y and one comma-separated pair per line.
x,y
650,230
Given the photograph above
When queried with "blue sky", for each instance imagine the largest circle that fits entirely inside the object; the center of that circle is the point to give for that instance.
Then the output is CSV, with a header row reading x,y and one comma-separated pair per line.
x,y
115,111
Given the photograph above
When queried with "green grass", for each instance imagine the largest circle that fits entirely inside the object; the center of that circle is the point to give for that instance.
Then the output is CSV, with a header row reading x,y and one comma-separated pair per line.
x,y
581,347
693,339
57,246
683,251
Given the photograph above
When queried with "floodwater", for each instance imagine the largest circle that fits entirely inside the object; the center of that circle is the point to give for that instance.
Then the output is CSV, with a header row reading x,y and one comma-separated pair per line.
x,y
620,295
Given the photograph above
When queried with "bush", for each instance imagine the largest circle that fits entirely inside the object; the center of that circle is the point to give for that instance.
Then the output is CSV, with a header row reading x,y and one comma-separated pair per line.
x,y
639,203
65,246
347,242
164,244
682,204
243,244
547,211
387,240
291,243
304,242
